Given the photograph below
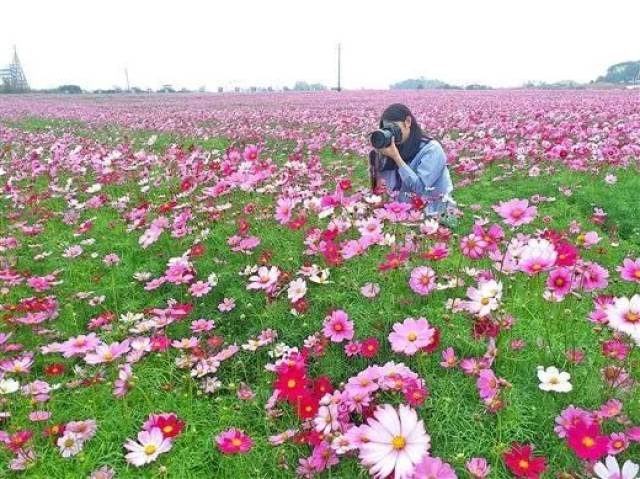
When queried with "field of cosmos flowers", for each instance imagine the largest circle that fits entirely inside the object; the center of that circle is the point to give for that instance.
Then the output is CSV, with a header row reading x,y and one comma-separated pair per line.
x,y
204,286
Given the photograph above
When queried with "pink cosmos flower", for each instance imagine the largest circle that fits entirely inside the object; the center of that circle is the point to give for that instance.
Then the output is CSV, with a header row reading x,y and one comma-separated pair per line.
x,y
265,278
79,345
111,259
618,442
473,246
411,335
352,348
624,315
227,305
106,353
433,468
105,472
234,441
284,210
478,467
487,384
423,280
199,288
537,255
397,442
323,457
449,359
72,251
370,290
337,327
17,365
202,325
516,212
630,270
559,282
592,276
569,418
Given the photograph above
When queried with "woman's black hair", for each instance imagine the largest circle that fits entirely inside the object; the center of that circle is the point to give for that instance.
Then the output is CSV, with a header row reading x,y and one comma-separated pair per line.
x,y
411,146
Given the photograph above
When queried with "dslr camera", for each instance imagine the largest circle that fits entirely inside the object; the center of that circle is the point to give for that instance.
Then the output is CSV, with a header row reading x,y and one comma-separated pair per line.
x,y
381,138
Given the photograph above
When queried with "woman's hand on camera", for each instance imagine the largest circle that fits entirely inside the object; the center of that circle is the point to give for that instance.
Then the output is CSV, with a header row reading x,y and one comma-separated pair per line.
x,y
391,151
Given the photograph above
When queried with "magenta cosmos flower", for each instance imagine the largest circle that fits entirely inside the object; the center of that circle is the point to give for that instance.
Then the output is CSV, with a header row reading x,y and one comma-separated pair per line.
x,y
516,212
397,441
423,280
630,270
411,335
234,441
337,327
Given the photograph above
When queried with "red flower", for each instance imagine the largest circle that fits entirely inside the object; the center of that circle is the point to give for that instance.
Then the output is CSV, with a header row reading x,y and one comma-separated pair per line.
x,y
322,386
168,206
186,185
301,305
521,462
169,424
344,184
307,406
587,441
567,254
415,395
369,347
197,250
291,384
54,431
329,235
17,440
55,369
418,202
434,343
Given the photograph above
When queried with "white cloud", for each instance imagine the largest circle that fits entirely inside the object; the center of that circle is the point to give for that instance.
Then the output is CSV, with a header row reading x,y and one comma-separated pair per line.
x,y
192,43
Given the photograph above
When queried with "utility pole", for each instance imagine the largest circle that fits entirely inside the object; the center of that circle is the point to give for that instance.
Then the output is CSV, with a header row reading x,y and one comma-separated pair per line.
x,y
126,75
339,48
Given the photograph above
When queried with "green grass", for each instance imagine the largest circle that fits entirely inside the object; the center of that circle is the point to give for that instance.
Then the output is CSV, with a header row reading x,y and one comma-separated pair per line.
x,y
460,427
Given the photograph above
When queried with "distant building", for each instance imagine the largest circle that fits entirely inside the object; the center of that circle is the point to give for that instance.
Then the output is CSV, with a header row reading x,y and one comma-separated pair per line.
x,y
12,77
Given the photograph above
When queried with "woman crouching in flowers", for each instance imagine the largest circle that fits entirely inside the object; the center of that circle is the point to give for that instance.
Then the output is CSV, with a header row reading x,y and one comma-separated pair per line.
x,y
410,164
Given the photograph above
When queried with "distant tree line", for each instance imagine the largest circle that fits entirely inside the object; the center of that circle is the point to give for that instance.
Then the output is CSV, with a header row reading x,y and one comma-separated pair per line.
x,y
423,83
76,89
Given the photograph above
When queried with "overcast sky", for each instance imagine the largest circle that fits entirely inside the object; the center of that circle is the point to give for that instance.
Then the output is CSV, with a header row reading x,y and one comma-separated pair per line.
x,y
191,43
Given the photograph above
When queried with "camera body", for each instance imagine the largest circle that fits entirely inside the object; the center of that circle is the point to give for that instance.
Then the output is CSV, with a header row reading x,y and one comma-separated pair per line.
x,y
381,138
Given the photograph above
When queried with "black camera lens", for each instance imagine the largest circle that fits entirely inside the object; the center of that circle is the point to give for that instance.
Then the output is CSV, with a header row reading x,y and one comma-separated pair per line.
x,y
381,138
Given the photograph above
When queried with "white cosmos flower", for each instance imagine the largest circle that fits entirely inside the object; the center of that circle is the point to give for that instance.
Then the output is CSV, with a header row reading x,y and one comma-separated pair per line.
x,y
611,470
70,444
8,386
150,444
551,379
297,289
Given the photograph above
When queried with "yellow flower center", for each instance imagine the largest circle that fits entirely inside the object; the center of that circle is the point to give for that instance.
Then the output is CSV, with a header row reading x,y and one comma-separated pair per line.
x,y
149,449
236,442
412,336
291,383
523,463
398,442
588,442
484,301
